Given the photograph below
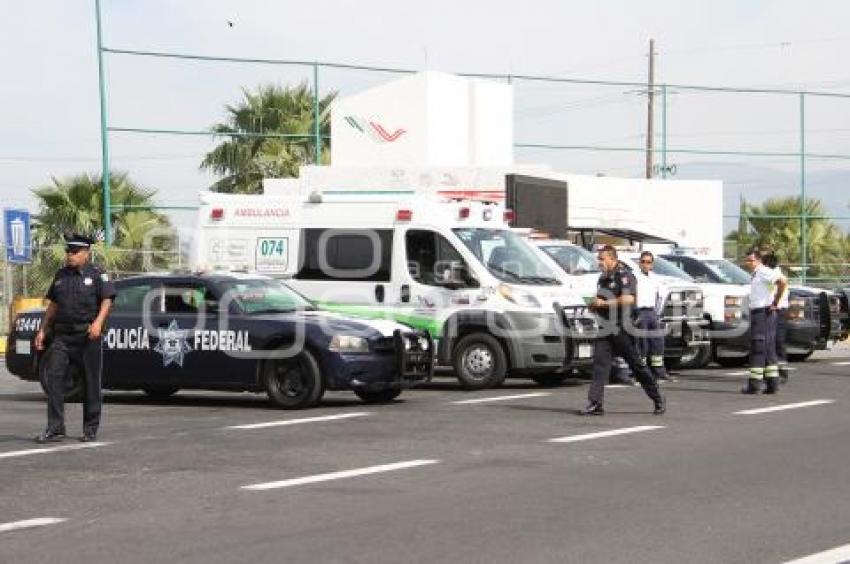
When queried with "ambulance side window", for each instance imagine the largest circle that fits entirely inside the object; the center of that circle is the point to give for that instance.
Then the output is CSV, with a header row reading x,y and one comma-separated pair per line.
x,y
431,258
131,299
357,255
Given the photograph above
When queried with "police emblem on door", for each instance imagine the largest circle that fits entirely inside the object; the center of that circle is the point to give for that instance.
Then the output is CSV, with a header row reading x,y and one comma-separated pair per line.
x,y
173,344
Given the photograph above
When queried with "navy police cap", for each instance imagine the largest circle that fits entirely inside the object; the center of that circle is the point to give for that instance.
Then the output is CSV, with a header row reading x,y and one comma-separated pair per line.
x,y
77,241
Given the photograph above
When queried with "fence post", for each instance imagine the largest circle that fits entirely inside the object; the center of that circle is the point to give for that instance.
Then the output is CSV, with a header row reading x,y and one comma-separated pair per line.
x,y
316,129
804,259
663,131
104,134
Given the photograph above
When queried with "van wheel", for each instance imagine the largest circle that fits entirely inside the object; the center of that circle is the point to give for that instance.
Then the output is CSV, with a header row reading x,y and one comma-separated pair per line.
x,y
551,380
160,392
378,396
73,382
293,383
479,361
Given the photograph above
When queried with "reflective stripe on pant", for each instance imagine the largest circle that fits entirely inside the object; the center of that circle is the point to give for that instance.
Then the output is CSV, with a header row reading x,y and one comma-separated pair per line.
x,y
86,356
620,344
763,361
651,346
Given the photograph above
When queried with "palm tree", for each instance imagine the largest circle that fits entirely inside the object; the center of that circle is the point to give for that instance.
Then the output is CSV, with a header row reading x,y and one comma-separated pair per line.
x,y
825,241
75,204
251,152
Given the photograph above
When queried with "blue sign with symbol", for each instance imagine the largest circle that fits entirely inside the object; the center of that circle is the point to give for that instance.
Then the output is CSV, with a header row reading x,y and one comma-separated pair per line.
x,y
16,234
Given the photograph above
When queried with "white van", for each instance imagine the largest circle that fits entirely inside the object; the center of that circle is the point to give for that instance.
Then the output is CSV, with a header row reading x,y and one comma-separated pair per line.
x,y
451,267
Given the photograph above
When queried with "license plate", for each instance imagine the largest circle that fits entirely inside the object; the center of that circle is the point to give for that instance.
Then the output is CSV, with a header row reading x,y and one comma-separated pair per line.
x,y
23,347
585,351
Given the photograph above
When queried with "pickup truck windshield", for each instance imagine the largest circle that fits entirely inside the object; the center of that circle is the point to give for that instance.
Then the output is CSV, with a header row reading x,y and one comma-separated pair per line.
x,y
265,296
728,272
665,268
574,260
507,256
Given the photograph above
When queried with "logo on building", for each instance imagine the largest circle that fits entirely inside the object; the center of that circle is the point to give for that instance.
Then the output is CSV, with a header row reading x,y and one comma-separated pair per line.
x,y
374,130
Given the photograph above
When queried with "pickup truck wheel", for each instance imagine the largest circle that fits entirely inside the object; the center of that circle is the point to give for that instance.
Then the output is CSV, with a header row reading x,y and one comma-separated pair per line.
x,y
378,396
551,380
160,392
293,383
73,382
800,357
479,361
694,357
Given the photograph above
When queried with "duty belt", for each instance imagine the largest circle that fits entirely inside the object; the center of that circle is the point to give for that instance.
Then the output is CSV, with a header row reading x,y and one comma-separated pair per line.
x,y
70,328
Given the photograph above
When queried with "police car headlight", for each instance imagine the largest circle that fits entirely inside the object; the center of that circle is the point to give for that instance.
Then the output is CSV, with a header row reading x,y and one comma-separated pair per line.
x,y
348,344
424,344
517,296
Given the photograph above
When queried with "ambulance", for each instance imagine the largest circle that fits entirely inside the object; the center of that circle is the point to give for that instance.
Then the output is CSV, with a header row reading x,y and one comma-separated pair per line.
x,y
449,266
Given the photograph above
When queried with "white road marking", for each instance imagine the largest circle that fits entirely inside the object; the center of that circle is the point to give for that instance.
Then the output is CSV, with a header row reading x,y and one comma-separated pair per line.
x,y
843,363
32,451
29,523
339,475
284,422
784,407
833,556
603,434
742,373
502,398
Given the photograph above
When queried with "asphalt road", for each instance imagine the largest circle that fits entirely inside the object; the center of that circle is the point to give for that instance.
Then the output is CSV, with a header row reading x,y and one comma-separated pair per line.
x,y
433,480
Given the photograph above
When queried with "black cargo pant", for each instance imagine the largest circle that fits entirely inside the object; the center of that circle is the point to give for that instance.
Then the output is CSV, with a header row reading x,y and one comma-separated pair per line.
x,y
763,361
781,335
73,349
650,343
619,344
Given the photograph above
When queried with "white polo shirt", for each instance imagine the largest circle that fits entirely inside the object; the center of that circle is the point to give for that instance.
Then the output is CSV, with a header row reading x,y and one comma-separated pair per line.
x,y
647,290
763,287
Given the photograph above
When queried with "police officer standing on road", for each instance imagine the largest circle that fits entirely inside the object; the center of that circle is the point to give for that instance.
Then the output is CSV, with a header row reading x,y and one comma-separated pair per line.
x,y
770,260
615,297
80,299
766,289
650,342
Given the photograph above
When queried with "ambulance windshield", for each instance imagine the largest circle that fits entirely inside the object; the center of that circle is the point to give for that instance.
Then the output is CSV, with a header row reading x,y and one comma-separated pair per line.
x,y
507,256
265,296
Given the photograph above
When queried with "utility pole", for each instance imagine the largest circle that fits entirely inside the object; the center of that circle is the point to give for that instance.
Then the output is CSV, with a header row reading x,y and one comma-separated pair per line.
x,y
650,109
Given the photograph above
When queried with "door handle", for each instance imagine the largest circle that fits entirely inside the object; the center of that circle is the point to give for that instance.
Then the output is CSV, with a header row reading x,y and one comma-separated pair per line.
x,y
379,293
405,293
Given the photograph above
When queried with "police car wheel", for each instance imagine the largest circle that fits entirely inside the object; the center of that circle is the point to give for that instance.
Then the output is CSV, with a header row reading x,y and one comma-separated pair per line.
x,y
479,361
378,396
293,383
732,361
160,392
694,357
73,383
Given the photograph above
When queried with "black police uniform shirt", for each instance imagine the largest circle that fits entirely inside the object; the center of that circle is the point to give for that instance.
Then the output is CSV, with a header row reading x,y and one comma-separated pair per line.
x,y
79,292
619,282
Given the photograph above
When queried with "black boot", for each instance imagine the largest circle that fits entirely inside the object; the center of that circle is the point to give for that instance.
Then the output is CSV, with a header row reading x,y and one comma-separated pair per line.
x,y
771,385
753,386
660,406
593,408
783,374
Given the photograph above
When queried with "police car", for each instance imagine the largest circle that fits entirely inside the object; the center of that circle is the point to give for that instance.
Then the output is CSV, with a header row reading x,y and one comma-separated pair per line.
x,y
236,332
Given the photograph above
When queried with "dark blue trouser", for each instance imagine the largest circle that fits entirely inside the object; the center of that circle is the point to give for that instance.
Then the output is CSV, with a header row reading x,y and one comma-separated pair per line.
x,y
781,335
620,344
650,345
763,361
87,357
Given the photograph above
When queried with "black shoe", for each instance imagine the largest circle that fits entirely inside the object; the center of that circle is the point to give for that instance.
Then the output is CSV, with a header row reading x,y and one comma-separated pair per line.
x,y
660,407
593,408
50,437
783,375
771,385
88,437
753,387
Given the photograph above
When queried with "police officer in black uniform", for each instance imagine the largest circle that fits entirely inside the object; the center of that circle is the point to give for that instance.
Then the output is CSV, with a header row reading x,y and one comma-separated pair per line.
x,y
615,298
80,299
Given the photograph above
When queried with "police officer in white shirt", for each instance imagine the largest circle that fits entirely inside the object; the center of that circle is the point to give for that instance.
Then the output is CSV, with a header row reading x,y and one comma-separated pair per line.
x,y
650,337
766,289
770,260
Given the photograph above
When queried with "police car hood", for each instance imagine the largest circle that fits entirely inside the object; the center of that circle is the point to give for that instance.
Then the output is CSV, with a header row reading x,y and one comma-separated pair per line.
x,y
336,323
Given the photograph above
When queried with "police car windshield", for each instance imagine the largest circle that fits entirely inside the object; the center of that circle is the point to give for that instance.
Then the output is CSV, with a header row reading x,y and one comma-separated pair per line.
x,y
265,296
507,256
574,260
729,272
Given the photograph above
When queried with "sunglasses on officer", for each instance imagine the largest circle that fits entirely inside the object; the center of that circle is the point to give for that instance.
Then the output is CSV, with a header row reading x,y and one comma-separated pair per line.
x,y
646,261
